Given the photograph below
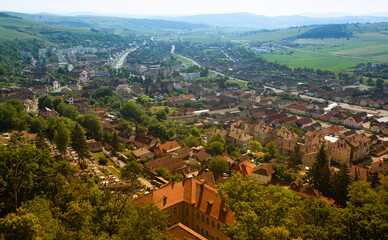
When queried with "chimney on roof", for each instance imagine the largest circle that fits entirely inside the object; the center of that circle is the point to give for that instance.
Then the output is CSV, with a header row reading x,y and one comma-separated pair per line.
x,y
164,200
202,185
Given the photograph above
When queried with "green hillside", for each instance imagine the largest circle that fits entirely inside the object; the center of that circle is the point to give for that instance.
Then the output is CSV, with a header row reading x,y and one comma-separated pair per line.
x,y
141,25
14,28
366,43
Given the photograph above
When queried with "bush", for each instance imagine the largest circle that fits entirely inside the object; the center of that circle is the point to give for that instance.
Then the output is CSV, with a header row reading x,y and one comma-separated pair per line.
x,y
103,160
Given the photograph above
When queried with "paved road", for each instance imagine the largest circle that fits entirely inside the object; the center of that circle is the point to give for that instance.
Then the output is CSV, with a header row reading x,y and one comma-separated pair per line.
x,y
231,59
199,65
121,60
343,105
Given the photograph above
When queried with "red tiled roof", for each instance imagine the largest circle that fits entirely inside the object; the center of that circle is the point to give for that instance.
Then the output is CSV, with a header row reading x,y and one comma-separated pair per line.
x,y
181,232
297,107
169,146
194,192
245,168
305,120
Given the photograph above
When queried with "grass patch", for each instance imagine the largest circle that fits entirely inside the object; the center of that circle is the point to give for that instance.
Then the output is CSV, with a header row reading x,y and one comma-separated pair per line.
x,y
316,61
154,109
186,62
241,84
114,171
98,155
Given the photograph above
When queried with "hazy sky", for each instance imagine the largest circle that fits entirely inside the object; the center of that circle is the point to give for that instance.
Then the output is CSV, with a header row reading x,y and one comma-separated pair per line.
x,y
188,7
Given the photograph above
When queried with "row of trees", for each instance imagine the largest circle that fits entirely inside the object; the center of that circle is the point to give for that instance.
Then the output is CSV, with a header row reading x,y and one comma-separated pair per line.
x,y
276,213
335,184
41,200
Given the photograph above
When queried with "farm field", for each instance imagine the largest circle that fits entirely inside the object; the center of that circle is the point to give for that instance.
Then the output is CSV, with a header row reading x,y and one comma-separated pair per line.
x,y
310,60
11,28
368,43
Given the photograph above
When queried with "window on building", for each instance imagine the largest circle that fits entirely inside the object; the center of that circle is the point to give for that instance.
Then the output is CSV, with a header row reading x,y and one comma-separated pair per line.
x,y
197,228
187,211
206,233
197,215
175,210
213,225
201,231
218,238
207,220
218,226
203,218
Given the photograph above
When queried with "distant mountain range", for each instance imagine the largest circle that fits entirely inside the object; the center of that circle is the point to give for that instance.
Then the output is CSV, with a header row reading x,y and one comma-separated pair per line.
x,y
252,21
247,21
92,21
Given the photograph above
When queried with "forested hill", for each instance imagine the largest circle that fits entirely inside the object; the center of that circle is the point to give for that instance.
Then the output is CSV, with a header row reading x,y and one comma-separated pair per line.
x,y
327,31
17,35
141,25
4,15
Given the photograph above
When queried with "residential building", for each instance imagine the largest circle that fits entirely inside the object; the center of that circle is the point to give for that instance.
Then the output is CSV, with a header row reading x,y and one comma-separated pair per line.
x,y
193,203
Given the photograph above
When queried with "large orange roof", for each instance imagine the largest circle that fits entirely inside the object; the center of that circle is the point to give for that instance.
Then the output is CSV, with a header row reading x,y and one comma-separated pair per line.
x,y
194,192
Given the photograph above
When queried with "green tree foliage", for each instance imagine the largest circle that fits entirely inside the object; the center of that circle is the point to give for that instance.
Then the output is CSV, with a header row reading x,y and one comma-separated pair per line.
x,y
191,141
270,151
234,150
124,127
162,172
195,132
275,213
218,165
365,216
295,158
217,143
116,144
27,227
45,101
37,124
103,92
62,138
320,172
340,183
24,173
374,179
255,146
161,115
255,206
158,128
12,116
370,82
131,171
92,124
146,222
131,110
327,31
380,85
217,137
67,111
78,141
217,147
103,160
40,141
